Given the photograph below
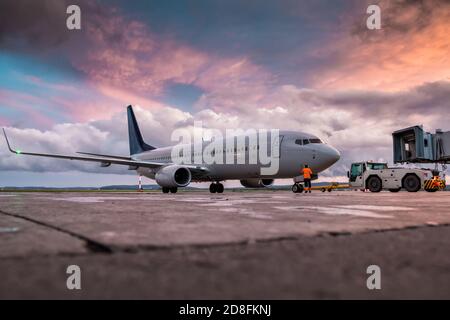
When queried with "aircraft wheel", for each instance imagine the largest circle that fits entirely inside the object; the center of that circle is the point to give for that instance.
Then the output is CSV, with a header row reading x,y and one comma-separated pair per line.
x,y
213,188
374,184
165,190
297,188
173,190
219,188
412,183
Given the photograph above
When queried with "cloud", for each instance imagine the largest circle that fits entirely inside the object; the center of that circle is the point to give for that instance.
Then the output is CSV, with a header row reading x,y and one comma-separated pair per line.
x,y
37,24
136,66
20,102
347,85
136,60
141,61
102,136
405,16
412,47
349,121
4,122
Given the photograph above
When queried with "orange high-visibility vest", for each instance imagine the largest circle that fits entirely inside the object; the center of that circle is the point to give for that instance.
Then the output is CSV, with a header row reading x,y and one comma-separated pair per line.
x,y
307,172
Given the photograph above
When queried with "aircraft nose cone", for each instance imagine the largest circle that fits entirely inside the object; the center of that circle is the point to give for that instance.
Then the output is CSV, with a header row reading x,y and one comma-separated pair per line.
x,y
335,155
331,156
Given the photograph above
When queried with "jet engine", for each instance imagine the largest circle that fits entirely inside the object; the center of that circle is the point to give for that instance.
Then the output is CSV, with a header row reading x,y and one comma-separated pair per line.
x,y
257,183
173,176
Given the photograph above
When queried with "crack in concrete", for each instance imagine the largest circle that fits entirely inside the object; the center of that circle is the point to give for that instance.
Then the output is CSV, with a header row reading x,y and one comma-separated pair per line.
x,y
92,245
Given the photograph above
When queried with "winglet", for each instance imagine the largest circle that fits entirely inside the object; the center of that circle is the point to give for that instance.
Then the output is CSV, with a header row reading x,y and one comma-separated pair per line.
x,y
7,142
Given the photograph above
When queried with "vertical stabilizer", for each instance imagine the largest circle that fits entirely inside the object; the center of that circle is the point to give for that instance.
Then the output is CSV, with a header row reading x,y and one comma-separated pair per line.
x,y
137,144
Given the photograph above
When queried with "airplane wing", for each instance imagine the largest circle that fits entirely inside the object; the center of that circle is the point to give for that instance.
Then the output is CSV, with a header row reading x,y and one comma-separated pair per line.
x,y
107,160
105,155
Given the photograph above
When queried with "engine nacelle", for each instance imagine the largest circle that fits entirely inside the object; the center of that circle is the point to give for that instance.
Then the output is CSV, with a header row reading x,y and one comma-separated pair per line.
x,y
257,183
173,176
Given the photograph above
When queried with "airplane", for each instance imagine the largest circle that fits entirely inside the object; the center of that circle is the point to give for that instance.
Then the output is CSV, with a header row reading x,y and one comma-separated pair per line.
x,y
295,150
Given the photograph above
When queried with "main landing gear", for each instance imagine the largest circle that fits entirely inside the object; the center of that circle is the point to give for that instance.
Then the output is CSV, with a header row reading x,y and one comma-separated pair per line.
x,y
171,190
216,187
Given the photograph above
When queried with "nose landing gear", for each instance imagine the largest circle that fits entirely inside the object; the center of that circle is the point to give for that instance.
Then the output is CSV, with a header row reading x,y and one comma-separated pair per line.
x,y
216,187
297,188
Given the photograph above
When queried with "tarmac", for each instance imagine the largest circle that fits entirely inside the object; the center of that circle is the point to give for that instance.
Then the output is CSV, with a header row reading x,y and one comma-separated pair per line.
x,y
238,245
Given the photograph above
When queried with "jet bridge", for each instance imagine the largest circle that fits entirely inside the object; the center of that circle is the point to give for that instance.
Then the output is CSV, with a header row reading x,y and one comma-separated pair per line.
x,y
414,145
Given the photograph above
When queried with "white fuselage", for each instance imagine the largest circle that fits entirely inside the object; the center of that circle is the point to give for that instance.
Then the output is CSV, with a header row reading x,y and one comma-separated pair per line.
x,y
296,149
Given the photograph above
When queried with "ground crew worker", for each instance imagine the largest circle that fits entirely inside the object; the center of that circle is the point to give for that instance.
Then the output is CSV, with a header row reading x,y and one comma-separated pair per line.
x,y
307,173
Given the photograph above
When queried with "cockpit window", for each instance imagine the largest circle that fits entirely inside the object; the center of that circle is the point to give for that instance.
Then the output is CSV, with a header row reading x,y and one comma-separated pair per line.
x,y
304,142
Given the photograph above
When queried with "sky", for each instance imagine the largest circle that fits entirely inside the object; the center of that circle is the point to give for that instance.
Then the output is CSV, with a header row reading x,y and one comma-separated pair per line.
x,y
305,65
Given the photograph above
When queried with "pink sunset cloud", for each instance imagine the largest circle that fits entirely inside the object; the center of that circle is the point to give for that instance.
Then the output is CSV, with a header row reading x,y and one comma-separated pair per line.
x,y
25,103
136,67
4,122
235,84
413,47
136,60
79,101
